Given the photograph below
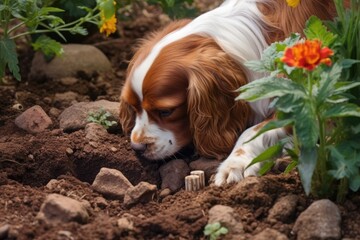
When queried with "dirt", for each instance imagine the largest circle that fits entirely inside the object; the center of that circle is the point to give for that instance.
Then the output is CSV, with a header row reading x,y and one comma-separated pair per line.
x,y
29,161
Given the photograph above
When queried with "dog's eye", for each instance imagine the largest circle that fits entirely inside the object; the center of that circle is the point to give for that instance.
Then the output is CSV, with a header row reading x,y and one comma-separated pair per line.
x,y
165,112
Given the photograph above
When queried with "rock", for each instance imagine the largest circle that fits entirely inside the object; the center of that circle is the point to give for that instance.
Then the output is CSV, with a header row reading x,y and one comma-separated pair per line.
x,y
68,81
209,166
269,233
75,117
33,120
58,208
227,218
95,132
65,98
142,193
65,235
284,209
173,174
77,58
125,224
111,183
321,220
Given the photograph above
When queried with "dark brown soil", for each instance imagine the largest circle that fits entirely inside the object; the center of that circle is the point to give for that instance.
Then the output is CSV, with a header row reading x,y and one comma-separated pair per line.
x,y
29,161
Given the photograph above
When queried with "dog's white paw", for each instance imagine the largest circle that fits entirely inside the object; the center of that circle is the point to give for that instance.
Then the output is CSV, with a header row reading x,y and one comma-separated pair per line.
x,y
233,169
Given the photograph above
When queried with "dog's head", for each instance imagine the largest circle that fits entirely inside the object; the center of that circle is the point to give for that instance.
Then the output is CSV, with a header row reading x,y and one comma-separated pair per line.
x,y
182,93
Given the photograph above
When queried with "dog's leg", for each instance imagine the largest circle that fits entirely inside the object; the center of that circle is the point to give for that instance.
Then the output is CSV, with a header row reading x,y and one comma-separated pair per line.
x,y
233,169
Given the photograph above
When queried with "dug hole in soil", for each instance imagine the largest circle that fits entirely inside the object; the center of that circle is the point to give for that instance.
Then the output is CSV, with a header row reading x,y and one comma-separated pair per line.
x,y
36,165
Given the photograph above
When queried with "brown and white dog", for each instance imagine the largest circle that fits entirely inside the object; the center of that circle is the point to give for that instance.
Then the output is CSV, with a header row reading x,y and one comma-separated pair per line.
x,y
181,83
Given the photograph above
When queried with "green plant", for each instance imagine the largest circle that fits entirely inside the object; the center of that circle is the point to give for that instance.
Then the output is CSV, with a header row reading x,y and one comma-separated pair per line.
x,y
39,17
214,230
311,95
101,117
176,8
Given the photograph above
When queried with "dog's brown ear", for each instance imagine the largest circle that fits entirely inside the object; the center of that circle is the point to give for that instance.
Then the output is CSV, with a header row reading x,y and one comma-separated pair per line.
x,y
216,118
127,117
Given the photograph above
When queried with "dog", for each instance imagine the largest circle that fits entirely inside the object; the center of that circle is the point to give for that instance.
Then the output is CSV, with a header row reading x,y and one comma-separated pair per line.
x,y
182,80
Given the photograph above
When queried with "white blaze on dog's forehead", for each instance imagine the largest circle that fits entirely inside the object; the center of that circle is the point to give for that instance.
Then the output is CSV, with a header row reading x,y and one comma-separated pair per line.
x,y
141,71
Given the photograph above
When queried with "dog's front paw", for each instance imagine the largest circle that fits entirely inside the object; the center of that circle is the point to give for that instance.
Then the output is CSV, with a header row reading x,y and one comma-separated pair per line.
x,y
233,169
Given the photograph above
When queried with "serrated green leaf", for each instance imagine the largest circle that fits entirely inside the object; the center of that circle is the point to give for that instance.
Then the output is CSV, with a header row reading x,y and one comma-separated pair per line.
x,y
79,30
223,231
306,166
48,46
269,87
343,110
306,125
9,58
315,29
327,83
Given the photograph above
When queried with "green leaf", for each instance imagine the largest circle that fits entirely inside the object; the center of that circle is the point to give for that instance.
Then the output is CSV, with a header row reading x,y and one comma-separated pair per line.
x,y
343,110
306,166
354,183
291,166
269,87
327,83
269,153
347,63
9,58
223,231
315,29
266,167
342,87
48,46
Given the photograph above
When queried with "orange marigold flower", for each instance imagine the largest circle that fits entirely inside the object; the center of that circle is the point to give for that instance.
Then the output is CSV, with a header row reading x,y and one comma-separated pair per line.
x,y
308,55
293,3
108,26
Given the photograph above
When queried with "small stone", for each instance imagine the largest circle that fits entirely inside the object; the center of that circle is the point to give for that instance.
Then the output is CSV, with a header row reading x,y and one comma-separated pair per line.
x,y
57,208
69,151
173,174
53,184
111,183
269,233
164,193
284,209
321,220
125,224
113,149
94,144
68,81
33,120
65,235
227,217
54,112
142,193
18,106
75,117
95,132
66,98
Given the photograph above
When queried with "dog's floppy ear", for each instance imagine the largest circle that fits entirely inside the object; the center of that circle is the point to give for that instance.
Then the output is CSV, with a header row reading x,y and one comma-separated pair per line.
x,y
216,119
126,116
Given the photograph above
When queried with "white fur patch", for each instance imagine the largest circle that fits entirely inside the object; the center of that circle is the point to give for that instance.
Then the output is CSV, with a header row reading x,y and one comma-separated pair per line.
x,y
233,169
160,143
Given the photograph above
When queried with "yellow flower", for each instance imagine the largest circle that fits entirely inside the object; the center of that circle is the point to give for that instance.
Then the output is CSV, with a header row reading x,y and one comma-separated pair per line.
x,y
293,3
108,26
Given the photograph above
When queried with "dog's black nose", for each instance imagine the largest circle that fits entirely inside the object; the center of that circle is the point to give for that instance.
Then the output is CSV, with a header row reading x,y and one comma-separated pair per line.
x,y
139,148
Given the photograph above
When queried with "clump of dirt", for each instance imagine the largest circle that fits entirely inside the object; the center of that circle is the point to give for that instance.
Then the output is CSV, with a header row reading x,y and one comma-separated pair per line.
x,y
29,161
